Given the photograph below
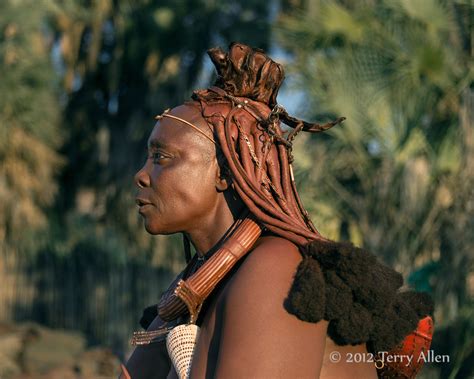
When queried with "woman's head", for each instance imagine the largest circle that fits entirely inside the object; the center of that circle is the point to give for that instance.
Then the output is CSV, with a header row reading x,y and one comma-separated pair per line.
x,y
235,123
182,182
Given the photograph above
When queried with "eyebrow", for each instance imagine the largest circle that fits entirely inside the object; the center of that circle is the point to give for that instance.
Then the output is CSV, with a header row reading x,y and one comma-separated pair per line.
x,y
156,143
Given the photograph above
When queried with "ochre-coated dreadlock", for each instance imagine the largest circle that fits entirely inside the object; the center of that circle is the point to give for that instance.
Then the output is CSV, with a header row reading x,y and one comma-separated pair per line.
x,y
242,110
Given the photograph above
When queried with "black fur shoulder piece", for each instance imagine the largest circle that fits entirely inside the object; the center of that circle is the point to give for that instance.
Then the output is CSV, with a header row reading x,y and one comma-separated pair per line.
x,y
357,294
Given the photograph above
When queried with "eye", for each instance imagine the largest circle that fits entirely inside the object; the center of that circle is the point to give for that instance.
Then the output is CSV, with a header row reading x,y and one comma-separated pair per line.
x,y
157,157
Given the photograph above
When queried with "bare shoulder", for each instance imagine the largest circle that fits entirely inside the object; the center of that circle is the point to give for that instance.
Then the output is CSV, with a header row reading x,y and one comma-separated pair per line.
x,y
257,329
276,245
267,271
277,257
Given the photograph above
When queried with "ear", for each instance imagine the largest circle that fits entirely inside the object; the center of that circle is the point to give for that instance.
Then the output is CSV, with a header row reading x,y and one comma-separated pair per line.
x,y
223,173
223,178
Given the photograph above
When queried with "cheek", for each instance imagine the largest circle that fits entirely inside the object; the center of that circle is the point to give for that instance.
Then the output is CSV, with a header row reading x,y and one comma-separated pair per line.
x,y
185,190
196,191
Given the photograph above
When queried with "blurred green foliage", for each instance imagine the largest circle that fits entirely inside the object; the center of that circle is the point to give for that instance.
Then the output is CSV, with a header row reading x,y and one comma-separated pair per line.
x,y
80,84
30,134
398,176
84,81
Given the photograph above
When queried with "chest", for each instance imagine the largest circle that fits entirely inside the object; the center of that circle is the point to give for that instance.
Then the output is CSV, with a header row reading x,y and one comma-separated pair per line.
x,y
207,349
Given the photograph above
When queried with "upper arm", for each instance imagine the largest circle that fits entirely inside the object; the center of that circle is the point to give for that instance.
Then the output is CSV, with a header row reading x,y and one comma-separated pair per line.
x,y
259,337
149,361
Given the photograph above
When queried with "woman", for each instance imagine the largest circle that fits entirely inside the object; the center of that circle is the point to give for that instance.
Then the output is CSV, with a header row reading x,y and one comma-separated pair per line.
x,y
273,298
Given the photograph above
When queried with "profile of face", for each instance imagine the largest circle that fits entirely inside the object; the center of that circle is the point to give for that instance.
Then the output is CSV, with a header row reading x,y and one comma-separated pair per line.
x,y
180,186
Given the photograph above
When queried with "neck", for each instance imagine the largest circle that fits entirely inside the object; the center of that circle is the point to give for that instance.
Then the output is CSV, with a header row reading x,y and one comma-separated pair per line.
x,y
209,234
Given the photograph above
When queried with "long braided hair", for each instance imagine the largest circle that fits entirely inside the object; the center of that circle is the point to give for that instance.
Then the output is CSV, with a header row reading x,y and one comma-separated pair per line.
x,y
337,282
242,110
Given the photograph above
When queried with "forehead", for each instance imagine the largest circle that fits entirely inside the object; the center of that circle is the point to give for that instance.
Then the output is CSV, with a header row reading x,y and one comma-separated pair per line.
x,y
175,134
166,133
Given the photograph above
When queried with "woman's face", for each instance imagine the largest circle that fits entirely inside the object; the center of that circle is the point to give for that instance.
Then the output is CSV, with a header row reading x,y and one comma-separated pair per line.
x,y
177,184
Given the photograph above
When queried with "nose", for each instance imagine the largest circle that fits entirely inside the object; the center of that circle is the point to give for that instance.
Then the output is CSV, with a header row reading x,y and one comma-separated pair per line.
x,y
142,179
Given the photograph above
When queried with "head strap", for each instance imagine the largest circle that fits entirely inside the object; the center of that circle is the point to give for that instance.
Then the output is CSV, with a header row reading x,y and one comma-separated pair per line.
x,y
166,114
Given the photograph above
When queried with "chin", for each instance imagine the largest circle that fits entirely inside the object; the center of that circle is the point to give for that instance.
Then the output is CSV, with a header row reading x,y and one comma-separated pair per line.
x,y
149,230
152,229
156,230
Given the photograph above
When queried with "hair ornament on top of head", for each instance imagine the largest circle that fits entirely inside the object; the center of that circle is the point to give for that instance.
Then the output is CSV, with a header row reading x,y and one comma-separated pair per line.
x,y
166,114
271,122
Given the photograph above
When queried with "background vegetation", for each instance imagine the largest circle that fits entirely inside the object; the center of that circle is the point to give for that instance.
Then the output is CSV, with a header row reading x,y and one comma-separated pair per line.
x,y
80,82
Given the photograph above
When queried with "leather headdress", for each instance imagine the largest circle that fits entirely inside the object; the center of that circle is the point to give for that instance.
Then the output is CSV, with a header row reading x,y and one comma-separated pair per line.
x,y
242,108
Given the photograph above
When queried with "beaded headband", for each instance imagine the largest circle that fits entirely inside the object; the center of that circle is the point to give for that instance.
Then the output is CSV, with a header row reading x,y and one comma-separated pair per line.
x,y
166,114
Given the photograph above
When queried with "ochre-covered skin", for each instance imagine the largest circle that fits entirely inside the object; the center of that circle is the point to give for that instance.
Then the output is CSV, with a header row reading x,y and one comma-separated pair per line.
x,y
277,313
246,332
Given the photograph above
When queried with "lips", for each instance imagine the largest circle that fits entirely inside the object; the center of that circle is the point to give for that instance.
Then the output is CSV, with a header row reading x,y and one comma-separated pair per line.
x,y
142,204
